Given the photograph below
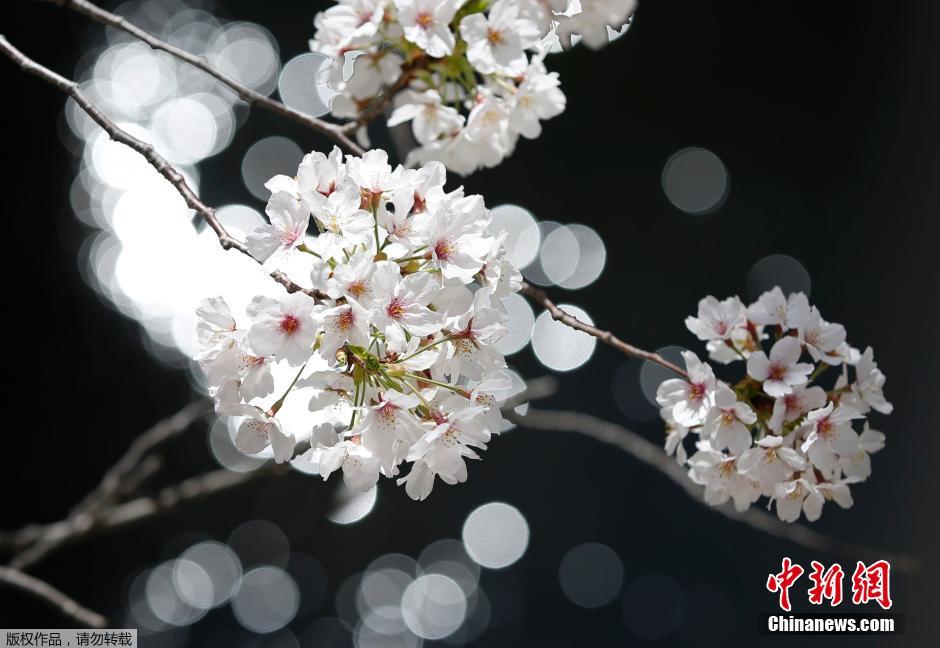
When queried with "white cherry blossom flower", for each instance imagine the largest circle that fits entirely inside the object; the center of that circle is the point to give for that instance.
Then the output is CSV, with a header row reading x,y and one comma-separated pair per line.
x,y
726,424
858,465
782,370
689,401
716,319
289,219
830,436
283,328
798,495
360,468
496,40
791,407
426,23
869,384
719,474
429,116
770,462
401,304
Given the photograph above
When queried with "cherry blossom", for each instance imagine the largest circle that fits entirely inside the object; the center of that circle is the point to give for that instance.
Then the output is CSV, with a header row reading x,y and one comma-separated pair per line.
x,y
782,428
391,348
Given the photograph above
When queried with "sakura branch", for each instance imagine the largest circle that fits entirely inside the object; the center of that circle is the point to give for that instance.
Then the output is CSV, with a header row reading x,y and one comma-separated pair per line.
x,y
541,298
43,591
335,132
652,455
158,162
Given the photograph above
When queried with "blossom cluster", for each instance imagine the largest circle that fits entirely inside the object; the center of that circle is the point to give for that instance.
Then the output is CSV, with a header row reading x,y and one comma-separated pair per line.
x,y
469,75
777,431
392,338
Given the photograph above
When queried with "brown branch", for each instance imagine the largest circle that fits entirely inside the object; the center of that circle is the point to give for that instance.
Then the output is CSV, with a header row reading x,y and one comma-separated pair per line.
x,y
123,478
541,298
71,530
653,456
157,161
335,132
51,596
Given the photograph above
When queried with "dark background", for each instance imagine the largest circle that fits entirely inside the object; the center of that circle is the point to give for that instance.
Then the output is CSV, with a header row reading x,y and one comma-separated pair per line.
x,y
826,118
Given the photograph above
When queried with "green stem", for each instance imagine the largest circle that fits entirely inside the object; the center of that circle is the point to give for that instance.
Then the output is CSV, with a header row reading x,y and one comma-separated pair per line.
x,y
280,401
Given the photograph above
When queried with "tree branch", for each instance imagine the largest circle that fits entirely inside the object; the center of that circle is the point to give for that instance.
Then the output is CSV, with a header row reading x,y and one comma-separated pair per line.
x,y
157,161
35,541
52,597
335,132
541,298
652,455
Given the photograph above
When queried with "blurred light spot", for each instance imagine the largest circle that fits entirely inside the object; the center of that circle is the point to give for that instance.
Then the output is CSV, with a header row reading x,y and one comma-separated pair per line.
x,y
591,575
652,374
433,606
220,565
496,535
346,600
379,600
557,345
396,561
534,273
654,606
348,506
519,326
249,53
164,600
267,158
260,541
375,631
560,254
630,398
193,584
184,130
778,270
450,558
522,233
303,84
267,600
592,255
695,180
225,452
476,622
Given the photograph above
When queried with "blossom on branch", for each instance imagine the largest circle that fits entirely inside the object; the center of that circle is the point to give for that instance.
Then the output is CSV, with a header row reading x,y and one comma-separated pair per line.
x,y
393,341
469,75
777,431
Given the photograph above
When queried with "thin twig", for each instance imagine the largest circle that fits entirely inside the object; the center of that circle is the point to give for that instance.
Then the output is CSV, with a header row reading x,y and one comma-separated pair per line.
x,y
46,593
157,161
122,478
335,132
541,298
653,456
144,508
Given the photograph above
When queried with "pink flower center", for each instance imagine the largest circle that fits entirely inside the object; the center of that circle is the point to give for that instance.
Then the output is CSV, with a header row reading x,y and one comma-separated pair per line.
x,y
289,325
345,320
777,372
396,308
495,37
357,288
424,19
443,249
696,391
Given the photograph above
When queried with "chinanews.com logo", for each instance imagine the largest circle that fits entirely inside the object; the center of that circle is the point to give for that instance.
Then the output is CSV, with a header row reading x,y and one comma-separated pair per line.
x,y
870,584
